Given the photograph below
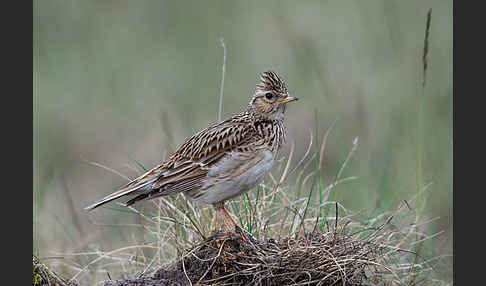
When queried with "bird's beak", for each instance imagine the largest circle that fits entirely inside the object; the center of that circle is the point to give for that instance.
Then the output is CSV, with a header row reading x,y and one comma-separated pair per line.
x,y
288,99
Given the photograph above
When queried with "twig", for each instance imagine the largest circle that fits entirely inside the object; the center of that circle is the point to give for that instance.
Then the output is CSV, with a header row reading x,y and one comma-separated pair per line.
x,y
104,167
426,46
421,204
222,80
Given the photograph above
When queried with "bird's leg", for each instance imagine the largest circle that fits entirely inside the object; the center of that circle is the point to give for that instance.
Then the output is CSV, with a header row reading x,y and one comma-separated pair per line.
x,y
237,227
223,212
225,221
229,216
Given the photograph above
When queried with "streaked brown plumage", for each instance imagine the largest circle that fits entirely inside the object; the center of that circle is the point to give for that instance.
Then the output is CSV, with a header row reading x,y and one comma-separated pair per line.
x,y
224,160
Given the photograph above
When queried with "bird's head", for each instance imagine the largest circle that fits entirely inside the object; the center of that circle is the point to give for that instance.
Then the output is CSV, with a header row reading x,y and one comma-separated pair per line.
x,y
271,96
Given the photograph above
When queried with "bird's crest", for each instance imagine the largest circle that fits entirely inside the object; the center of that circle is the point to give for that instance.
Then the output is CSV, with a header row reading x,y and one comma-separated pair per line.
x,y
270,80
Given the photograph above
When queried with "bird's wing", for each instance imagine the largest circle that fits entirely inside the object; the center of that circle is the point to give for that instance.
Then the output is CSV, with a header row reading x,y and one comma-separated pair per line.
x,y
187,168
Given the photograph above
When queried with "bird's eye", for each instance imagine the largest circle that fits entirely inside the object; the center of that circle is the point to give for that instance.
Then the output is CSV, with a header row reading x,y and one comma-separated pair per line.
x,y
269,95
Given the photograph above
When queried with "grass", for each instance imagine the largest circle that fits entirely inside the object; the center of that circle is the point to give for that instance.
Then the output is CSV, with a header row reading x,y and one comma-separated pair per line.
x,y
173,224
420,183
336,256
294,199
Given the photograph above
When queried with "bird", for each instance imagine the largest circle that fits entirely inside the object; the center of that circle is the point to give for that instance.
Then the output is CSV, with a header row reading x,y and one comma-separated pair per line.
x,y
224,160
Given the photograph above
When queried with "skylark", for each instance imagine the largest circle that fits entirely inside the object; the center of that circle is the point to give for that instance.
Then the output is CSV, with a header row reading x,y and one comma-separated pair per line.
x,y
224,160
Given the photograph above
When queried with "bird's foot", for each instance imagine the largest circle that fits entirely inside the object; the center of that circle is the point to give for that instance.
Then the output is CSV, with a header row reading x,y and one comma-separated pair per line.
x,y
246,237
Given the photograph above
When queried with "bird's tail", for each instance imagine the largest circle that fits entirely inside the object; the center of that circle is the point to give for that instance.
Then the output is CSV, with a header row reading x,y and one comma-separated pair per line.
x,y
133,187
109,198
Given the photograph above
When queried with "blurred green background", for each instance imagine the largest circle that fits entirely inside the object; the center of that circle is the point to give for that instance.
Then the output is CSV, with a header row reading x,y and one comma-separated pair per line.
x,y
118,81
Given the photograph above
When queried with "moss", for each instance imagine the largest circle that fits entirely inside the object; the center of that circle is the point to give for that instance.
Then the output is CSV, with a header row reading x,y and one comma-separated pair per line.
x,y
36,278
42,275
37,273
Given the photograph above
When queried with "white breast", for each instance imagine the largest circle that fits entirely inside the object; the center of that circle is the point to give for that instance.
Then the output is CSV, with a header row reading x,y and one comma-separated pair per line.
x,y
234,175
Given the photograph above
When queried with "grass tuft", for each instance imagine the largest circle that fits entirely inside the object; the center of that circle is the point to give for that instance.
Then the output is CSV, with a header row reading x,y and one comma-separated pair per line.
x,y
333,247
348,252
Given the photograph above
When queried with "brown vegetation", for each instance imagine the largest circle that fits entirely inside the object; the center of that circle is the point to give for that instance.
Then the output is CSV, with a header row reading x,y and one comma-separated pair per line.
x,y
333,257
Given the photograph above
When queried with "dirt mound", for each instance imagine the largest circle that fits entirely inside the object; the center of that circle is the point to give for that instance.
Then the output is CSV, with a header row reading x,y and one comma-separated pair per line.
x,y
329,258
